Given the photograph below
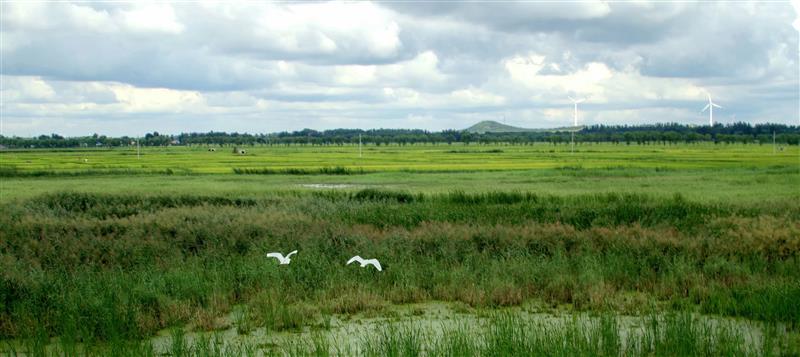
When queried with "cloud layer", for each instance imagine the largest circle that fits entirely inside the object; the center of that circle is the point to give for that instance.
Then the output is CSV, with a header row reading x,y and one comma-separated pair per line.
x,y
130,68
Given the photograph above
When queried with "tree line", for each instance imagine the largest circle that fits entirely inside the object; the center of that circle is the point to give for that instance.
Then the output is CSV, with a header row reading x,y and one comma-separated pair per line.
x,y
670,133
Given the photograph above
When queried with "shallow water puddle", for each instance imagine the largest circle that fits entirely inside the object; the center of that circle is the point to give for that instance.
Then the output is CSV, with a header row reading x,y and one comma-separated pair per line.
x,y
330,185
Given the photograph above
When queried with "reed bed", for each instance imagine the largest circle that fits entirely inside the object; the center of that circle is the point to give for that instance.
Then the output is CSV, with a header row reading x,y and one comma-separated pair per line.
x,y
101,267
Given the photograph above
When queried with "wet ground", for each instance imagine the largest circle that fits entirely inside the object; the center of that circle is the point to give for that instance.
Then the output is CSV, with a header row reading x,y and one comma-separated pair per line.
x,y
345,333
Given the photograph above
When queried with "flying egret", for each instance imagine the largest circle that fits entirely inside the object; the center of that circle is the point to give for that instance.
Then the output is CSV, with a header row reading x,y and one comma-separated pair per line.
x,y
283,260
365,262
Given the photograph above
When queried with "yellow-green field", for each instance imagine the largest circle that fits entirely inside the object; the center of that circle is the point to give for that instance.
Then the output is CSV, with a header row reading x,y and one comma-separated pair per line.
x,y
739,173
395,158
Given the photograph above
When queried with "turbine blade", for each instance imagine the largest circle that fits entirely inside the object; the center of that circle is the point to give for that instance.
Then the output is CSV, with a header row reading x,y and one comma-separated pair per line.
x,y
570,98
718,106
704,108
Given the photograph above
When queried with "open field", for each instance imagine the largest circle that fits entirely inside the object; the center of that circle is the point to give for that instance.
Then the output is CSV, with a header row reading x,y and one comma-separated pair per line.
x,y
732,184
684,243
698,171
413,158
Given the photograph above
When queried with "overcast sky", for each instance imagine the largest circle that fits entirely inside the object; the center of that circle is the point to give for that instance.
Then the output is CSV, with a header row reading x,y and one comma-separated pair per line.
x,y
130,68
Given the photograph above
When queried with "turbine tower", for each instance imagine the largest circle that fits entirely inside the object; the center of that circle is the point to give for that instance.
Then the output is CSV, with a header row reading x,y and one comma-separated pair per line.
x,y
575,102
710,106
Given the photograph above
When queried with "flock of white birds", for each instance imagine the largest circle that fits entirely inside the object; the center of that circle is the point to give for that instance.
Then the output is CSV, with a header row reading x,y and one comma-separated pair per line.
x,y
285,259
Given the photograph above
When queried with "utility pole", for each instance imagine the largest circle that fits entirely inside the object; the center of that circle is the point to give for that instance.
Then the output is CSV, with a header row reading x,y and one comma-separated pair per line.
x,y
774,148
573,142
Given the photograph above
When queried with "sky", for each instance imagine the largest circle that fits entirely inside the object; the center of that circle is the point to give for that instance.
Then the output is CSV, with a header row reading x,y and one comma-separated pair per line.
x,y
128,68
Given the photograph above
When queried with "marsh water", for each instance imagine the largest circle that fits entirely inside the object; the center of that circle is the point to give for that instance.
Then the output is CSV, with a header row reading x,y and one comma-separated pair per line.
x,y
425,326
330,185
428,323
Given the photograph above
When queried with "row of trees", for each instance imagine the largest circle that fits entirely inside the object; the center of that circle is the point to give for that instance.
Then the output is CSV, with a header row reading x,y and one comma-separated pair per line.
x,y
642,134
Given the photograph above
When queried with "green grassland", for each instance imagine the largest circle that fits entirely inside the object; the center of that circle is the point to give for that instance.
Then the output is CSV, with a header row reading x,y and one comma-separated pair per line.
x,y
98,257
397,158
733,184
703,171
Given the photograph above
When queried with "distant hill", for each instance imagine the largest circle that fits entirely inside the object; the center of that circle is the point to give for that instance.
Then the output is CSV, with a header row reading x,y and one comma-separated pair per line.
x,y
491,126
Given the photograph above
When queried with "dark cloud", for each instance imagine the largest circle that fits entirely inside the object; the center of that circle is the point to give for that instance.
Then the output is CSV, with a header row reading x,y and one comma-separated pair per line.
x,y
408,64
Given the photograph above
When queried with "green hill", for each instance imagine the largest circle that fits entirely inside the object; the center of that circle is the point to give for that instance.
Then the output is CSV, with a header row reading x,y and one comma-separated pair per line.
x,y
490,126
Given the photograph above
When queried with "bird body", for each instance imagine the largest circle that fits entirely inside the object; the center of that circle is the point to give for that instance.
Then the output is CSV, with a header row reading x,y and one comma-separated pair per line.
x,y
365,262
283,260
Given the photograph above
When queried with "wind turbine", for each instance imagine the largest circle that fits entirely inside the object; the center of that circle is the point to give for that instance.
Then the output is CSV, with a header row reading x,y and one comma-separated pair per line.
x,y
575,102
575,123
710,106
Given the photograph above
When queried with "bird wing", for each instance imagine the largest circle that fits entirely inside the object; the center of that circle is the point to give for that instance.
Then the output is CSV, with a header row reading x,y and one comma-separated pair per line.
x,y
290,254
375,263
355,259
278,256
704,108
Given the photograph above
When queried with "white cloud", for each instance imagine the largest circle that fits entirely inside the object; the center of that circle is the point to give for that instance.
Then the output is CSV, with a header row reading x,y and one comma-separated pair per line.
x,y
421,70
598,83
587,81
151,17
404,96
331,29
796,6
355,75
40,16
43,97
474,96
132,99
26,89
253,66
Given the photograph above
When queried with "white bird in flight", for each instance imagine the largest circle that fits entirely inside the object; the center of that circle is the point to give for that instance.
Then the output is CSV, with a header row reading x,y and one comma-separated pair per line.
x,y
365,262
280,257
